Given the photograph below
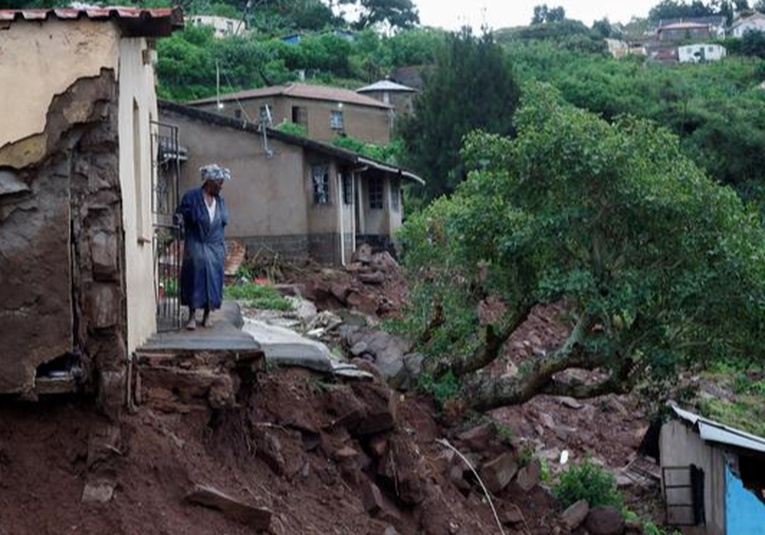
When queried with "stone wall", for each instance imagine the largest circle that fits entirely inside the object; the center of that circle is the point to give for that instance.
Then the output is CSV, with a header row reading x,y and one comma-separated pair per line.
x,y
61,243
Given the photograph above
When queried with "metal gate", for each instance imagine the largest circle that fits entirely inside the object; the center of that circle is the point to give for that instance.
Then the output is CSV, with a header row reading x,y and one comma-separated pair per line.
x,y
167,155
683,495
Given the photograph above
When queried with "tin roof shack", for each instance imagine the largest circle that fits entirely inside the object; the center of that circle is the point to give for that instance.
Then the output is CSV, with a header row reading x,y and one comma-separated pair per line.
x,y
713,476
289,194
75,194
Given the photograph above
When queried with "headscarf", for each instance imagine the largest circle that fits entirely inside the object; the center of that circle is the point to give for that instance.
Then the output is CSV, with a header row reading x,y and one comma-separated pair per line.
x,y
214,172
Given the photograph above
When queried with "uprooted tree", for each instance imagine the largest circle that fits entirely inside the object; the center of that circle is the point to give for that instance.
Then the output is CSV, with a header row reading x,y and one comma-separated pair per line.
x,y
658,266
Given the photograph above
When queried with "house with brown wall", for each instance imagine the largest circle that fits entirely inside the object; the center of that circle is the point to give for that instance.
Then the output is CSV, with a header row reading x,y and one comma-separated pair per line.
x,y
325,112
76,221
291,195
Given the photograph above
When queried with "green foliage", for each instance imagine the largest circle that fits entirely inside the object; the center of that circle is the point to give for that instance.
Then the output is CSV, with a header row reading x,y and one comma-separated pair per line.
x,y
258,296
471,86
587,481
649,528
442,389
661,266
384,153
291,128
716,108
171,287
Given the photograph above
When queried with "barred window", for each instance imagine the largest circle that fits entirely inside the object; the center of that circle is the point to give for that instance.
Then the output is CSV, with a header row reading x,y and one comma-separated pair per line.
x,y
336,120
347,188
376,194
320,175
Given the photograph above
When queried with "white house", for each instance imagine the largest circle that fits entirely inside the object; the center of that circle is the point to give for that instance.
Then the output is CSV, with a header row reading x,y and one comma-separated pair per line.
x,y
752,23
700,52
224,26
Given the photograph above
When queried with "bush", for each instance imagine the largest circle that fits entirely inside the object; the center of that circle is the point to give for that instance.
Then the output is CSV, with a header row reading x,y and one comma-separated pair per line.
x,y
587,481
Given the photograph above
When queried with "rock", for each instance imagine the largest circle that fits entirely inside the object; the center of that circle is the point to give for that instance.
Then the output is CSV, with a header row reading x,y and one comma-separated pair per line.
x,y
390,530
409,372
511,515
375,277
571,403
604,520
359,348
345,453
363,301
575,514
269,448
528,476
372,498
100,491
497,473
378,445
547,420
457,476
479,437
384,262
378,409
256,517
362,254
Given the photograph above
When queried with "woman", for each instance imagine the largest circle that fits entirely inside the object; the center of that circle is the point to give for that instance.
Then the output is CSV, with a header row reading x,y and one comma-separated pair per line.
x,y
204,216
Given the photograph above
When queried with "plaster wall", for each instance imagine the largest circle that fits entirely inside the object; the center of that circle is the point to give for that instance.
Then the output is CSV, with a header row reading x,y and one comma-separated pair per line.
x,y
681,446
33,70
265,195
137,108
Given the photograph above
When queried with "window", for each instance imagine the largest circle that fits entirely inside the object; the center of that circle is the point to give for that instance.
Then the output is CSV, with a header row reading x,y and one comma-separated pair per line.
x,y
229,26
336,120
395,196
710,49
347,188
237,114
299,115
320,176
376,193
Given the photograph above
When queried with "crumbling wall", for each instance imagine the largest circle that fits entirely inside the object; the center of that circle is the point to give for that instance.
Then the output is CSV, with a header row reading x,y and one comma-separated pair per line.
x,y
61,243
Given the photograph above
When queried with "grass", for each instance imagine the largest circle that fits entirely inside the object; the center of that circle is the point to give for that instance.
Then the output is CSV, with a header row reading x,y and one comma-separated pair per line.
x,y
258,296
746,411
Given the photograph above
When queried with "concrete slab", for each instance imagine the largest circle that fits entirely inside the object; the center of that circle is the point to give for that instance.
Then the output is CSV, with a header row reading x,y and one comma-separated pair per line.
x,y
285,347
224,335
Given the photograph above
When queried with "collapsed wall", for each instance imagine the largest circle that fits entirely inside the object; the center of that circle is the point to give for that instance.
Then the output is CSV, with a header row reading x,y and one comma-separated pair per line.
x,y
61,239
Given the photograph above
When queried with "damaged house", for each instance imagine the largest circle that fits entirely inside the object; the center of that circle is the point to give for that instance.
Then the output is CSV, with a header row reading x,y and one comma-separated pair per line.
x,y
290,195
713,476
77,198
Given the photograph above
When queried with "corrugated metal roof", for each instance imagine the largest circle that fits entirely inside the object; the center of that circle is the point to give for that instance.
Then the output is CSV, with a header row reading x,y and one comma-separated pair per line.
x,y
712,431
307,91
136,21
385,85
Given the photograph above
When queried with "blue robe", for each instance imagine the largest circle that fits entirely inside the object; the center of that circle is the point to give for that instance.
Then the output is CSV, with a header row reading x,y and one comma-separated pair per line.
x,y
204,252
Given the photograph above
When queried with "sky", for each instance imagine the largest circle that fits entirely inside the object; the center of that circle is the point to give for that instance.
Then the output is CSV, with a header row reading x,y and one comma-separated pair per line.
x,y
452,14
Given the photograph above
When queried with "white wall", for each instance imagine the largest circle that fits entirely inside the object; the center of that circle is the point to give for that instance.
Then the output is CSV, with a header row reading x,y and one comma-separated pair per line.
x,y
137,106
699,52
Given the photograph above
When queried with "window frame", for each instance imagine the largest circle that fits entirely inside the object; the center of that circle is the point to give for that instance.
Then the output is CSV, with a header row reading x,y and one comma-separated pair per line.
x,y
376,197
320,183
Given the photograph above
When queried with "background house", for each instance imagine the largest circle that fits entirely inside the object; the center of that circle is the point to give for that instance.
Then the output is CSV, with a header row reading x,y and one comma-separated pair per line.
x,y
693,28
76,226
324,111
753,23
397,95
223,26
713,476
700,52
291,195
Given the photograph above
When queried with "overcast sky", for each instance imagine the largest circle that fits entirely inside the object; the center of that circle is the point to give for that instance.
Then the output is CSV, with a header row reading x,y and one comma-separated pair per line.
x,y
451,14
